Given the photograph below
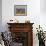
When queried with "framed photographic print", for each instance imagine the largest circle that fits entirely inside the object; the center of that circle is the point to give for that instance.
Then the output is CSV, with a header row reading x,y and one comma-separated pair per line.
x,y
20,10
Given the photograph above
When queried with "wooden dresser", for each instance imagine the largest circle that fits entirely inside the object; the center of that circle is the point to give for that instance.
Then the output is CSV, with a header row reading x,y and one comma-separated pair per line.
x,y
22,33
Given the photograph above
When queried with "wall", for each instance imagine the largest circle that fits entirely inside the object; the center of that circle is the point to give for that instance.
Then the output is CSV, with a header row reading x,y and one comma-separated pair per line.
x,y
43,5
35,13
33,10
0,15
43,14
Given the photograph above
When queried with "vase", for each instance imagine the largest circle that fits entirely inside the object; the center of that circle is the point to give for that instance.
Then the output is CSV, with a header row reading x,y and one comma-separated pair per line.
x,y
41,43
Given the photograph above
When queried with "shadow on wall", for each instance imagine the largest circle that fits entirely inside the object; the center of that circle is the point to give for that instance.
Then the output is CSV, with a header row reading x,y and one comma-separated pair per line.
x,y
43,6
0,15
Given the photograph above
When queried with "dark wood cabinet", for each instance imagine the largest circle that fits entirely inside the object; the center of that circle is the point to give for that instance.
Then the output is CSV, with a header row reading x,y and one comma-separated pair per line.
x,y
22,33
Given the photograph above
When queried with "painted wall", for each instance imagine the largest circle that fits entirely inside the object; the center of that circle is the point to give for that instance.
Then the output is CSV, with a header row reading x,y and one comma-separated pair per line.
x,y
34,14
0,15
33,10
43,14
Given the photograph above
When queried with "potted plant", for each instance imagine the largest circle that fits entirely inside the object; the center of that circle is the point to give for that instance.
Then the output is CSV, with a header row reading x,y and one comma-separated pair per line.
x,y
41,36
